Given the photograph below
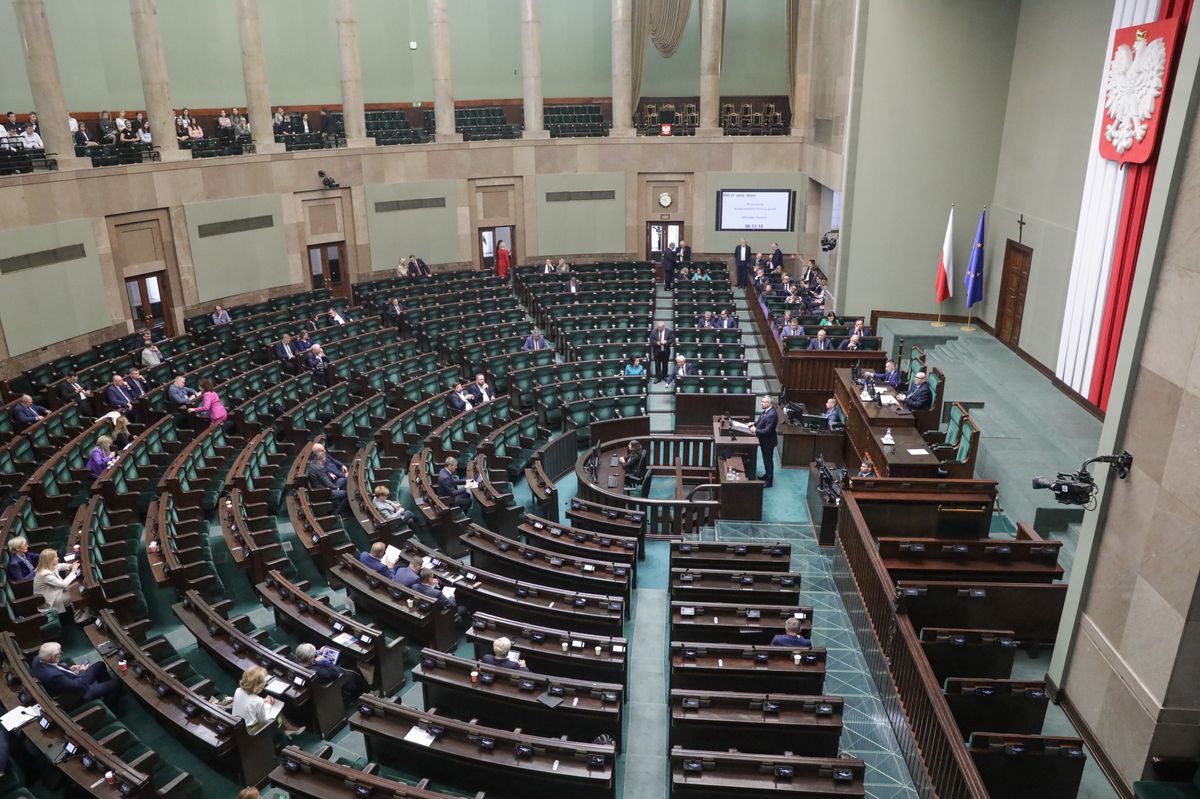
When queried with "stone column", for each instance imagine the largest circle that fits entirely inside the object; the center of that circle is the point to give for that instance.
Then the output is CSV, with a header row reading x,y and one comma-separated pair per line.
x,y
801,94
531,69
622,68
155,86
45,83
443,72
254,73
352,98
712,28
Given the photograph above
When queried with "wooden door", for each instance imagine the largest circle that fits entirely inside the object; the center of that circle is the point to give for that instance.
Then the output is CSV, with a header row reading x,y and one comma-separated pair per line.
x,y
1017,260
325,266
149,299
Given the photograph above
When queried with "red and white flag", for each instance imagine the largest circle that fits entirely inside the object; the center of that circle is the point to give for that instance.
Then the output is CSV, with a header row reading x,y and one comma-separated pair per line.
x,y
945,273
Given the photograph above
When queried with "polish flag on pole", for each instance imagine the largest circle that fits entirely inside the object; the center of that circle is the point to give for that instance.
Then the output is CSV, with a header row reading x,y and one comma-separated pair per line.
x,y
945,272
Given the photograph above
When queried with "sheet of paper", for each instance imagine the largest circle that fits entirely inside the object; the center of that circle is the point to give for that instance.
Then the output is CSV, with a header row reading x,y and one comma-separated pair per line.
x,y
448,591
392,556
887,399
417,735
919,451
741,427
345,639
427,562
274,709
20,716
276,686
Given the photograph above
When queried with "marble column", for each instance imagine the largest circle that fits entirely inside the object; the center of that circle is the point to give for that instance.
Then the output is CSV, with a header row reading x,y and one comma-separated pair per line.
x,y
801,91
45,83
712,29
622,68
156,88
254,74
443,71
352,96
531,69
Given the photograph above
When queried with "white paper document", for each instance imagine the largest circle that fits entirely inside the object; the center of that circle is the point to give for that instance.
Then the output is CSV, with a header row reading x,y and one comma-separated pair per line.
x,y
273,709
918,451
741,427
448,591
887,399
392,556
20,716
417,735
276,686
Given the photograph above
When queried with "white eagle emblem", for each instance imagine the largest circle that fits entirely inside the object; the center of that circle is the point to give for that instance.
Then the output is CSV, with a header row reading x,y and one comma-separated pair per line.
x,y
1135,80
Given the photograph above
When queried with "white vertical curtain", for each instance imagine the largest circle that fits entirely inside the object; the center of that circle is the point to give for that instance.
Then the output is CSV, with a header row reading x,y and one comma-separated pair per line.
x,y
1096,233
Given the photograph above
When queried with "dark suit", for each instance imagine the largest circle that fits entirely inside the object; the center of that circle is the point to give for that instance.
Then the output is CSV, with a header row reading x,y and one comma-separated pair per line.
x,y
328,475
776,258
376,565
820,344
450,488
458,404
24,416
688,369
741,259
443,601
864,331
846,345
685,254
118,397
22,567
790,640
831,418
764,428
477,393
395,313
82,138
504,663
418,267
285,353
73,392
406,576
635,468
725,323
319,367
919,397
354,686
892,378
137,387
660,348
669,259
94,682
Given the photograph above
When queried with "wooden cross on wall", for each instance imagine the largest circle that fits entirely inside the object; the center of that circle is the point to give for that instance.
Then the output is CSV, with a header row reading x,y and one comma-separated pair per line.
x,y
1020,228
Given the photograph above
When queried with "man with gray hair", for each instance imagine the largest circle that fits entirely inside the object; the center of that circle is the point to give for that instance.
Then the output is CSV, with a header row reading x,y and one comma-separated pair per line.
x,y
82,683
500,656
353,686
764,428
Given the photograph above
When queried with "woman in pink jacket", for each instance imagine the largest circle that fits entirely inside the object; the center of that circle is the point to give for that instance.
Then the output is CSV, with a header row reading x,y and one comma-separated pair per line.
x,y
211,404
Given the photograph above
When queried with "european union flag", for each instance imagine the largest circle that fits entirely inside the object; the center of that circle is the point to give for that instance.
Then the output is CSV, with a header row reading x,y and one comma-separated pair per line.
x,y
974,278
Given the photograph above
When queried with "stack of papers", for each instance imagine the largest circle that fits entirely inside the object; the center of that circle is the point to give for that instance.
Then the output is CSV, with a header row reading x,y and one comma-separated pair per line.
x,y
448,591
276,686
741,427
417,735
392,556
20,716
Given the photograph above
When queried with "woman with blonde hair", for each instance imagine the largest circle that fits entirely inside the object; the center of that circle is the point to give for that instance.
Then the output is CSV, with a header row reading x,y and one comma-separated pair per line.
x,y
120,434
22,564
48,582
102,456
256,710
563,266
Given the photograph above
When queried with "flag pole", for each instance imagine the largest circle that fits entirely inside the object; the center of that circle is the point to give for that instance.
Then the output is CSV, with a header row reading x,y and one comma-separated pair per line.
x,y
939,322
968,327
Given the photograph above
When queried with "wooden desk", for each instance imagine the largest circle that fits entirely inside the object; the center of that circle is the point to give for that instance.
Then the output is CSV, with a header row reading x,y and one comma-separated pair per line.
x,y
550,650
735,586
756,722
696,411
866,425
732,442
775,556
801,447
729,623
705,774
741,495
769,669
1009,706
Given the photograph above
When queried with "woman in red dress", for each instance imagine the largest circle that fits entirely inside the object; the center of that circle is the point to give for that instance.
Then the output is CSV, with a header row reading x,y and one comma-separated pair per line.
x,y
502,261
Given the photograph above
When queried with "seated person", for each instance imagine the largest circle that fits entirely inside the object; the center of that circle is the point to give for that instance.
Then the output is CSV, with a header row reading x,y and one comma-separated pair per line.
x,y
408,575
82,683
706,320
791,328
634,462
325,471
429,586
374,560
499,657
336,317
851,343
860,329
919,397
25,413
353,686
681,367
315,360
726,320
180,395
220,316
535,341
285,352
118,395
101,457
251,707
389,509
635,368
573,286
700,274
889,375
828,320
791,635
395,311
548,267
460,399
450,487
22,564
820,342
121,436
866,469
72,390
303,342
481,392
831,413
136,383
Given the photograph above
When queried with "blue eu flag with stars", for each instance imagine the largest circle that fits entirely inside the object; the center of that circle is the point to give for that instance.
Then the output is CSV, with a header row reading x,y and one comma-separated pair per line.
x,y
974,278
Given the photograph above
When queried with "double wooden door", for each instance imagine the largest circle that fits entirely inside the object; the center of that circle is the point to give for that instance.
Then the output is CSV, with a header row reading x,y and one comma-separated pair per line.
x,y
1017,261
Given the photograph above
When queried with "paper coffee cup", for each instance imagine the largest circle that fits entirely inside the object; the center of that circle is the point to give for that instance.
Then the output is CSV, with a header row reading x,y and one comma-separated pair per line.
x,y
409,602
599,649
474,676
796,658
122,665
109,777
565,646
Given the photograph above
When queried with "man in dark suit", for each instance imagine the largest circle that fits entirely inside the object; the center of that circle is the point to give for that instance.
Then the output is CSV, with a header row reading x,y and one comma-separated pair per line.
x,y
72,390
764,428
820,342
860,329
417,267
136,383
685,252
394,312
25,413
83,138
499,657
354,684
82,683
450,487
919,397
661,341
428,585
118,396
776,256
535,341
831,413
791,635
374,560
326,471
681,367
851,343
669,259
285,353
481,391
316,361
573,286
706,321
741,259
461,399
889,375
409,574
726,320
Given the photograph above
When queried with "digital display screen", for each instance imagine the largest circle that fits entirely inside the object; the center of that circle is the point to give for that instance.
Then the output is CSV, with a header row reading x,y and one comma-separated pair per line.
x,y
756,209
